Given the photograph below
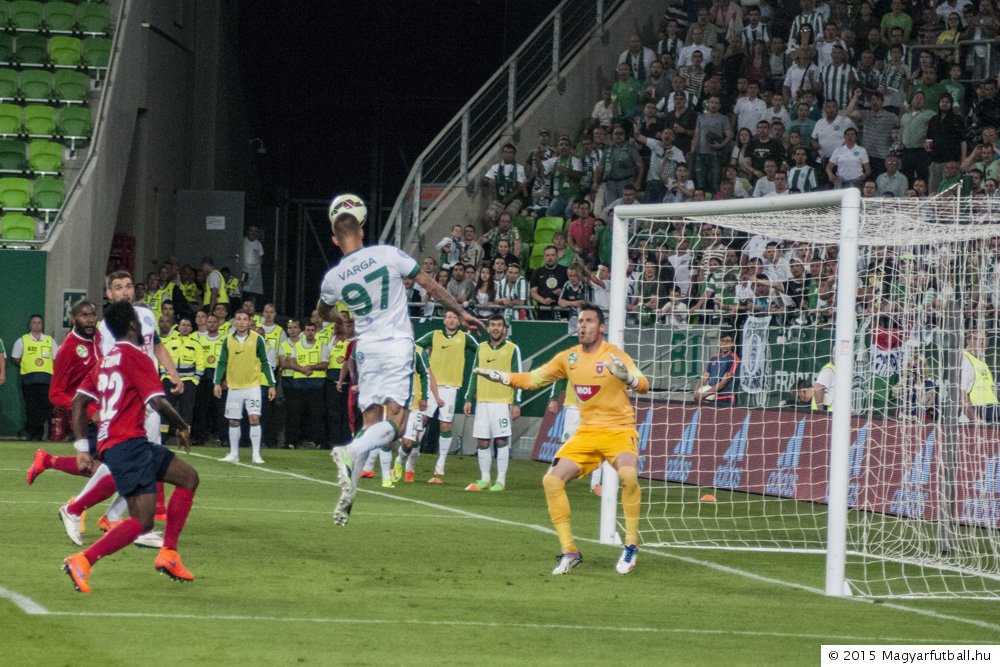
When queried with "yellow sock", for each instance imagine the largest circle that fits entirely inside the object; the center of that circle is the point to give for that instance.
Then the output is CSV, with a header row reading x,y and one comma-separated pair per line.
x,y
631,503
555,496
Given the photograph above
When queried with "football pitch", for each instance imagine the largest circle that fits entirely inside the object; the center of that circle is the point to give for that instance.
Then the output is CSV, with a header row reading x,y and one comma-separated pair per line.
x,y
423,574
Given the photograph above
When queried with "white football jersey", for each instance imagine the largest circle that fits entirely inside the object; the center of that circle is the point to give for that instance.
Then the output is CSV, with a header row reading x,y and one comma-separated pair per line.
x,y
370,283
104,340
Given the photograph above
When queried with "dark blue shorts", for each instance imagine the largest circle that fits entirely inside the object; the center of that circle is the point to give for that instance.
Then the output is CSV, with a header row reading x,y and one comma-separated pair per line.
x,y
137,465
92,439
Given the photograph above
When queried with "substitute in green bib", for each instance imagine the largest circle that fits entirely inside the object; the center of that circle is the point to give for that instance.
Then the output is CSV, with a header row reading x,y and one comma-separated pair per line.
x,y
33,353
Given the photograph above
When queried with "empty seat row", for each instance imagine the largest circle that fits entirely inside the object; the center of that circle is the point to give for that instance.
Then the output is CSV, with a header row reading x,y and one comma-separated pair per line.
x,y
39,156
30,15
38,85
59,51
45,193
40,120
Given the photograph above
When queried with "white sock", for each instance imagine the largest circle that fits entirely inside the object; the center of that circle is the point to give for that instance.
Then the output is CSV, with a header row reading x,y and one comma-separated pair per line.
x,y
234,440
411,460
444,445
117,508
382,433
503,460
102,471
385,459
254,439
485,455
370,461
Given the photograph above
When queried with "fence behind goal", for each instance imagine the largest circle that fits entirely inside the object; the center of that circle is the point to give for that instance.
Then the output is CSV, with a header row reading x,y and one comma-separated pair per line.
x,y
894,473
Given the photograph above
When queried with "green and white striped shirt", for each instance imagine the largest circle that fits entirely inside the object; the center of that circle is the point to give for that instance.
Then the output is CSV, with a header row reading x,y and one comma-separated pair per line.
x,y
837,82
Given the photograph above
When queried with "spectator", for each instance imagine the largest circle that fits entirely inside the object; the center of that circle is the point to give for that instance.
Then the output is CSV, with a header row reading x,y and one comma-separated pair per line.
x,y
684,268
576,292
777,112
621,165
504,253
33,353
663,160
485,295
828,134
253,265
802,176
953,181
955,88
646,299
452,247
506,185
672,41
945,140
781,183
712,135
913,135
877,125
682,119
765,184
694,75
838,79
741,186
639,58
748,109
474,253
850,162
580,234
763,148
460,286
541,183
591,160
754,30
984,28
656,84
892,180
565,170
802,76
504,231
604,109
824,45
512,291
808,18
930,87
626,92
896,18
546,283
917,393
696,43
949,7
895,80
716,383
565,254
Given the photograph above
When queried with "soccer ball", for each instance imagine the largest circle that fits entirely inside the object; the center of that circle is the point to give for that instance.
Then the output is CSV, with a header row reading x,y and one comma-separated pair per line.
x,y
352,204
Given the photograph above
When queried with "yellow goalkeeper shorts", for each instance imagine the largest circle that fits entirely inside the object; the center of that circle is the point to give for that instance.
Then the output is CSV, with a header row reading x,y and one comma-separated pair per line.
x,y
589,447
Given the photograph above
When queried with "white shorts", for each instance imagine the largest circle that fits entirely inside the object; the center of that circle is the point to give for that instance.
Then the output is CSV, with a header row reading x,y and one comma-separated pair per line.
x,y
448,395
571,422
414,426
237,399
492,421
385,372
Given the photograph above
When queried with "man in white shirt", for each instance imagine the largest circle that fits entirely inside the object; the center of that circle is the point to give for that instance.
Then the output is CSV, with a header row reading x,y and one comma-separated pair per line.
x,y
851,162
639,58
892,181
505,184
253,266
697,43
748,109
765,184
663,160
828,135
800,77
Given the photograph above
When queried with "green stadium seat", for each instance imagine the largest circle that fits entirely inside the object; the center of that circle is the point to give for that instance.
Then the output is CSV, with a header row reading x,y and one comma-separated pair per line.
x,y
35,84
26,14
10,119
537,257
45,156
96,51
8,84
526,227
12,155
18,227
60,16
15,192
64,50
71,86
48,192
39,119
6,48
92,17
31,48
73,121
553,223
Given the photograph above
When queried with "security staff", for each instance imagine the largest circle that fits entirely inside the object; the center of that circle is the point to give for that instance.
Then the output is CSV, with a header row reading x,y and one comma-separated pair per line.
x,y
33,353
338,429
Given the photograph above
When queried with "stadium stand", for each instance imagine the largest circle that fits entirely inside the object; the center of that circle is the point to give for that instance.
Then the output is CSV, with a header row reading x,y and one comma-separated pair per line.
x,y
18,226
39,120
31,49
64,50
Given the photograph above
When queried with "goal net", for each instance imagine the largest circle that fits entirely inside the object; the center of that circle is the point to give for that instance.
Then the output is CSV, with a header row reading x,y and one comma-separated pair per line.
x,y
821,373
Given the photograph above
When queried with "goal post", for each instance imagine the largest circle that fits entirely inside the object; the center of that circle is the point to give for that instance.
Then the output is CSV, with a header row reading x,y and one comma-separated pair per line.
x,y
897,506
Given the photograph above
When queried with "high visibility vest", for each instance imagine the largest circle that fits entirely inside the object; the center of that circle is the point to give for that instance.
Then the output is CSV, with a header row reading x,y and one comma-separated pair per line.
x,y
982,387
37,356
308,356
188,355
829,408
338,354
288,351
190,291
211,349
223,292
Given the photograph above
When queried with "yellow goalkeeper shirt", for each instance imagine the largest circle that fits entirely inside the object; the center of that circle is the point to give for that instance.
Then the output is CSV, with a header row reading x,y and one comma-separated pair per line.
x,y
604,399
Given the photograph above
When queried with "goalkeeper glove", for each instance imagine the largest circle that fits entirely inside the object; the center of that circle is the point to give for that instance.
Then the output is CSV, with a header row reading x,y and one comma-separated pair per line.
x,y
493,375
620,371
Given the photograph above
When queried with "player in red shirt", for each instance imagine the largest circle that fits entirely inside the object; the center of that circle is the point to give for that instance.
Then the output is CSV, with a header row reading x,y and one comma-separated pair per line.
x,y
123,383
68,371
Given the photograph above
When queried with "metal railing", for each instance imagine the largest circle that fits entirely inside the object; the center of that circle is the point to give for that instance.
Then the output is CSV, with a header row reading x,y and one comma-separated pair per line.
x,y
443,168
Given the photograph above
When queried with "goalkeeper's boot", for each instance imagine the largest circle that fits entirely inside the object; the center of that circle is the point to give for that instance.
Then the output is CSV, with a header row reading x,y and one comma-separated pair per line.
x,y
626,563
497,487
345,465
567,562
78,568
73,523
396,474
38,465
478,485
168,562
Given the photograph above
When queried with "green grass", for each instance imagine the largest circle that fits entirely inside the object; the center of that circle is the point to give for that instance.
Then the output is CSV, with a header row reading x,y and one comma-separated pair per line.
x,y
421,575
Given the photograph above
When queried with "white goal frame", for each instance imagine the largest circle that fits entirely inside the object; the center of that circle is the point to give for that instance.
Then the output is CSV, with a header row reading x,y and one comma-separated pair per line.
x,y
849,201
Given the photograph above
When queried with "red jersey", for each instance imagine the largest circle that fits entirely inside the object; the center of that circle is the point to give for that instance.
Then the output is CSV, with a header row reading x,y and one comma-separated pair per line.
x,y
74,361
122,383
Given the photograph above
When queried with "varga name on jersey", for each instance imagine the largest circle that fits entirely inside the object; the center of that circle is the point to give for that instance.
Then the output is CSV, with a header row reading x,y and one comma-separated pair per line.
x,y
358,268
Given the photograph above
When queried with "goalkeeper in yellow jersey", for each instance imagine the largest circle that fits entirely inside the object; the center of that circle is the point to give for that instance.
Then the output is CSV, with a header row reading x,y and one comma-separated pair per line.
x,y
601,374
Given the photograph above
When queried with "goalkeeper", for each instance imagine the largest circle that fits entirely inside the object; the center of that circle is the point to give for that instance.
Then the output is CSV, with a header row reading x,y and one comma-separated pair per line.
x,y
601,374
